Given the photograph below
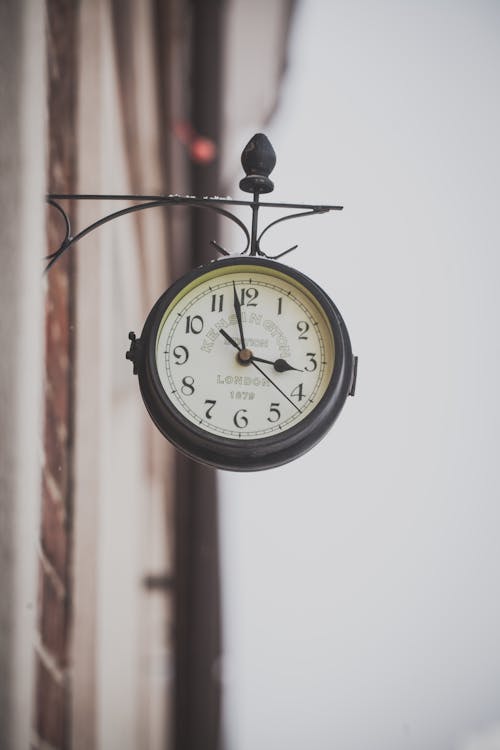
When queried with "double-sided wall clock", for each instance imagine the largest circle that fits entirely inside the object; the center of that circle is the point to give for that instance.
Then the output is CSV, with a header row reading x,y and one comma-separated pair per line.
x,y
244,363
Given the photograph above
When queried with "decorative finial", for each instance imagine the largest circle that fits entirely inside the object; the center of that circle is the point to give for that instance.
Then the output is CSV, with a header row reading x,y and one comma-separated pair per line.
x,y
258,160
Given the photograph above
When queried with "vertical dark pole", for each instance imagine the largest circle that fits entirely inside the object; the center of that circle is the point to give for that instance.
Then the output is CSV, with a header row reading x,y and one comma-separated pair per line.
x,y
198,630
206,81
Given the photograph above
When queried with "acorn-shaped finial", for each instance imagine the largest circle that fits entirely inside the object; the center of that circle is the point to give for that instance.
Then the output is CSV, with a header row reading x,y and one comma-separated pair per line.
x,y
258,160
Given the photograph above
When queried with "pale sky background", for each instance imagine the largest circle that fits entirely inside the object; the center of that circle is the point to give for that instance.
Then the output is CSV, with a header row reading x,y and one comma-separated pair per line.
x,y
362,581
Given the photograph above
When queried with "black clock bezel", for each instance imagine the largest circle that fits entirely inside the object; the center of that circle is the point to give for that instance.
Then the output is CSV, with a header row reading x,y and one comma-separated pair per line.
x,y
259,453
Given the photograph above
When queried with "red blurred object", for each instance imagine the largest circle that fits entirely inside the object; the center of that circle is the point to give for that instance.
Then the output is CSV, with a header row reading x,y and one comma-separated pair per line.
x,y
201,150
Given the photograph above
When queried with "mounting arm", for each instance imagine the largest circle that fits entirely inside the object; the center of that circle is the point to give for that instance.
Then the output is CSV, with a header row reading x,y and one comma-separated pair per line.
x,y
258,160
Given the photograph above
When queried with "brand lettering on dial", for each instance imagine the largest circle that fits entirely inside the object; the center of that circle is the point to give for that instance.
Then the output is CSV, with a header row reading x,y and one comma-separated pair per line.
x,y
281,340
242,380
251,319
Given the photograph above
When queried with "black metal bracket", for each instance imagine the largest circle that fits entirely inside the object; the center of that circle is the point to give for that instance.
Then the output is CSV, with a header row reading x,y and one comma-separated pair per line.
x,y
258,160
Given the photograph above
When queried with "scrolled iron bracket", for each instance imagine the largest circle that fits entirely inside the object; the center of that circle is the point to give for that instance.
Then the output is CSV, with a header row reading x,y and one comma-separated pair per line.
x,y
258,160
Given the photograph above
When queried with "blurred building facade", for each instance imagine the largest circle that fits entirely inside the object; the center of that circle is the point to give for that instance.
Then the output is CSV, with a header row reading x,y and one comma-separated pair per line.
x,y
110,631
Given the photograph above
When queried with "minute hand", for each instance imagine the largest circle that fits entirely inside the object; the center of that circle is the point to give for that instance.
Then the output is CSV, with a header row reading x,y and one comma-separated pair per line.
x,y
237,310
233,342
276,386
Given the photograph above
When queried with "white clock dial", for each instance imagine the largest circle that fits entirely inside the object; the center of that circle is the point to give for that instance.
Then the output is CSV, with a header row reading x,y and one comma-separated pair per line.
x,y
253,389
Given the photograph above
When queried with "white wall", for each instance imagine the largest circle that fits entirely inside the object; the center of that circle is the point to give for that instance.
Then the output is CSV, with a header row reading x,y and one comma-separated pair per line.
x,y
122,648
22,244
361,582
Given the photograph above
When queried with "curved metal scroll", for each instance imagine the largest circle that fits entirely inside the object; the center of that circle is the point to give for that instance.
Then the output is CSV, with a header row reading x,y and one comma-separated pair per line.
x,y
253,240
70,240
315,210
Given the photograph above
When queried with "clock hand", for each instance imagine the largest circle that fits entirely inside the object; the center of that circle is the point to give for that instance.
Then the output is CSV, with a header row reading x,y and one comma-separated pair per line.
x,y
237,310
276,386
244,355
279,365
229,338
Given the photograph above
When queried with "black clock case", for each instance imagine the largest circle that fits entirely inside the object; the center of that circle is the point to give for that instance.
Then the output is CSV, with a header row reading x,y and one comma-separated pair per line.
x,y
244,455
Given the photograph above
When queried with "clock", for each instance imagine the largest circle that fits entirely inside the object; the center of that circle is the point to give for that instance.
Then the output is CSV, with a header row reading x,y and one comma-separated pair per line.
x,y
244,363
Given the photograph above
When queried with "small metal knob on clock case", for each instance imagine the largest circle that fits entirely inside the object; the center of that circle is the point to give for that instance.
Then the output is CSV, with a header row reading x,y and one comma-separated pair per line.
x,y
134,351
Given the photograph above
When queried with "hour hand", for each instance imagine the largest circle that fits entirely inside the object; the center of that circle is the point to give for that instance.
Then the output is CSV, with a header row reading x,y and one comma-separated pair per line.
x,y
280,365
230,339
245,356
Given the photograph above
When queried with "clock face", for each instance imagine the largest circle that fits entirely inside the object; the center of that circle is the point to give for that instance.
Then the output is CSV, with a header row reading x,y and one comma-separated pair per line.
x,y
244,363
248,389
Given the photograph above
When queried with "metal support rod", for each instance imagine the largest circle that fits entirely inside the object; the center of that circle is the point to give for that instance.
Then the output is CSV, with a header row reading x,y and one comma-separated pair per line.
x,y
253,236
150,201
258,160
186,200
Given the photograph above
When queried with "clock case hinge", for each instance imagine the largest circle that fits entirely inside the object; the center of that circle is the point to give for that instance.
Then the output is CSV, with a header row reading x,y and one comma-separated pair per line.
x,y
135,353
352,389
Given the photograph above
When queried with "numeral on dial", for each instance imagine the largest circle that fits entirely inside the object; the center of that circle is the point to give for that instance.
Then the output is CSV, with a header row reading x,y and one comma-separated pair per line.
x,y
217,302
298,392
194,324
248,295
181,354
188,385
208,412
240,420
275,412
280,305
312,362
302,328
